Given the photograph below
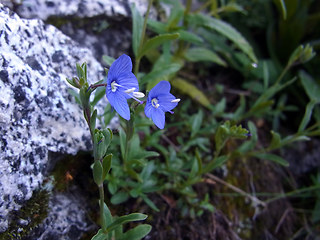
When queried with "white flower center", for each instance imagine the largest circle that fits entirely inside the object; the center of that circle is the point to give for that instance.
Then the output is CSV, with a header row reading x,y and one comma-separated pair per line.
x,y
155,103
114,86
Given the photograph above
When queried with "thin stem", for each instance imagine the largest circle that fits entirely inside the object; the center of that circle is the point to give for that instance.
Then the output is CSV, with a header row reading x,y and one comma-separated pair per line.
x,y
101,194
285,70
238,190
136,67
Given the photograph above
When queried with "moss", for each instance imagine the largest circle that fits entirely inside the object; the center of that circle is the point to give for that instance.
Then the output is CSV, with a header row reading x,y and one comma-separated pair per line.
x,y
34,211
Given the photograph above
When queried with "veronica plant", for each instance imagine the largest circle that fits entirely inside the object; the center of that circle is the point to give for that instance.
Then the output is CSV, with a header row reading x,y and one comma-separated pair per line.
x,y
121,85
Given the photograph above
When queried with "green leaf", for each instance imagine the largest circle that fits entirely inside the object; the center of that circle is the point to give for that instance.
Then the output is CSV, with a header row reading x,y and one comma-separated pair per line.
x,y
189,37
137,26
119,197
76,96
107,133
191,90
106,164
100,235
218,162
97,172
271,91
107,215
176,14
283,8
136,233
227,30
272,157
228,130
199,162
156,75
156,42
126,218
156,26
275,141
311,87
150,203
93,120
122,135
99,94
307,115
197,54
249,145
196,121
108,60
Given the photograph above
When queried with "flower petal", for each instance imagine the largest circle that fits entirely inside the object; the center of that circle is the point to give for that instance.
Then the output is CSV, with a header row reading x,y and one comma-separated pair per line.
x,y
121,64
147,109
158,117
165,103
162,87
127,80
119,103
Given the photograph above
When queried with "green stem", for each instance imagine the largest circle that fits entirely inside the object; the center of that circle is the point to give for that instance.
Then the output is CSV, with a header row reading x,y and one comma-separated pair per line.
x,y
101,194
285,70
136,67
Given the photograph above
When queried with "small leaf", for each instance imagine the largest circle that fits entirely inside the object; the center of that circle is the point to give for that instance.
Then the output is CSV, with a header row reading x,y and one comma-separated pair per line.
x,y
307,115
150,203
119,197
311,87
218,162
249,145
100,235
107,215
106,163
191,90
227,30
108,60
76,96
136,233
126,218
156,26
155,76
156,42
189,37
97,172
99,94
196,122
272,157
283,8
275,141
202,54
137,26
93,120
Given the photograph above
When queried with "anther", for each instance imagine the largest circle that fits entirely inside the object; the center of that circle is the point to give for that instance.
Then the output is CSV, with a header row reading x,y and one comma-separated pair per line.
x,y
176,100
138,94
130,90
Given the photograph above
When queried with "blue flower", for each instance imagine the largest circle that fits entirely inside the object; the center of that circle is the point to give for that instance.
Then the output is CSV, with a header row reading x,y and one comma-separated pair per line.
x,y
159,101
122,84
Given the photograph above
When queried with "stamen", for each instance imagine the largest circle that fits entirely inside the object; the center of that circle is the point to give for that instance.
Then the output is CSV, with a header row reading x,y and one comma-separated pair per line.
x,y
138,94
155,103
130,90
176,100
114,86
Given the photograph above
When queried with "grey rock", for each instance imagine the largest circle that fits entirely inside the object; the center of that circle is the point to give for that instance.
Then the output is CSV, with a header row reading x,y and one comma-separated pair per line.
x,y
43,9
67,219
103,26
37,114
